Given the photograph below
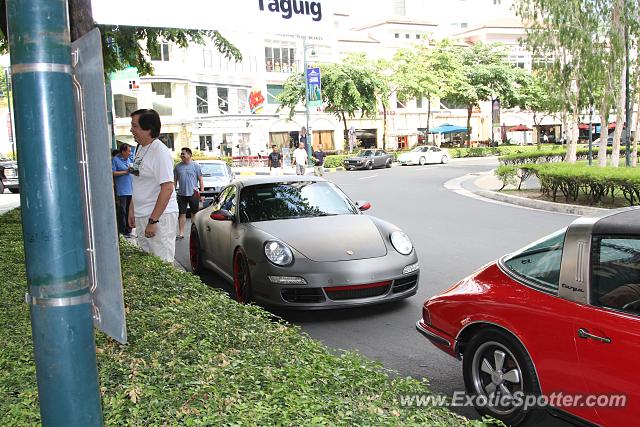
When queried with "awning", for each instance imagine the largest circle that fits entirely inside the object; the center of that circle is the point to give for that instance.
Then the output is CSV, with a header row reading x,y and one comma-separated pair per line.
x,y
519,128
448,128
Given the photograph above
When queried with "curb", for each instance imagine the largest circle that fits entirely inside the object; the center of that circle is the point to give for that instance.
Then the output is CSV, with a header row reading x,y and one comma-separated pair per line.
x,y
539,204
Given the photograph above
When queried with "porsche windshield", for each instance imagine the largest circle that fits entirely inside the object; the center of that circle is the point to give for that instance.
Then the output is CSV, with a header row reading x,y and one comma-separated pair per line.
x,y
213,169
288,200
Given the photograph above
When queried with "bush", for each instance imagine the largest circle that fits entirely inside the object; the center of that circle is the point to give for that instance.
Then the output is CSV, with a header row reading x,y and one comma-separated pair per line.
x,y
195,357
334,161
595,183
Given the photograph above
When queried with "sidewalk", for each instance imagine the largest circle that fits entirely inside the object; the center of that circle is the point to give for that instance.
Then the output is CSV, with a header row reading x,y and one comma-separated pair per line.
x,y
488,184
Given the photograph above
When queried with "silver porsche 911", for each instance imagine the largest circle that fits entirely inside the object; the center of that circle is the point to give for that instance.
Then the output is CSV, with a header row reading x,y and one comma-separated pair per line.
x,y
300,242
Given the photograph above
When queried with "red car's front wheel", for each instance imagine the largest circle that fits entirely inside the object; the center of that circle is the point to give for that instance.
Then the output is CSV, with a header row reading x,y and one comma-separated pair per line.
x,y
241,277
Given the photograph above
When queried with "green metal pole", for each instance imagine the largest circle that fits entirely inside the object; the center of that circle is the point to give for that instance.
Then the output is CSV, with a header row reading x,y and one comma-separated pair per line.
x,y
52,222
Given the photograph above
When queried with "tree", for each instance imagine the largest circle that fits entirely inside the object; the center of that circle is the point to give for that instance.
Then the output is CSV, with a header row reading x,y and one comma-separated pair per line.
x,y
484,74
425,71
582,45
347,89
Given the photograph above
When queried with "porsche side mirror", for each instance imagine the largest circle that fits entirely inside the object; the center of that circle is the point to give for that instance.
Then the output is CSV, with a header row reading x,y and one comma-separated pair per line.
x,y
363,206
221,215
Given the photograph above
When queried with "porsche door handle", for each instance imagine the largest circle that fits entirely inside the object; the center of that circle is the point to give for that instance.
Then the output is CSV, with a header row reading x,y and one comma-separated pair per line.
x,y
583,333
208,228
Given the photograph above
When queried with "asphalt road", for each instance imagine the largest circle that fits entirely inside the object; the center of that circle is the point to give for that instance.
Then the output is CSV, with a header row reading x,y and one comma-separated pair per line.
x,y
454,236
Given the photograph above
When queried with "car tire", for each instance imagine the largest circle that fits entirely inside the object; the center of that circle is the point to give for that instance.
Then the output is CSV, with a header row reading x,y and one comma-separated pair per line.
x,y
482,354
14,190
1,187
422,161
195,252
444,160
369,166
388,164
241,277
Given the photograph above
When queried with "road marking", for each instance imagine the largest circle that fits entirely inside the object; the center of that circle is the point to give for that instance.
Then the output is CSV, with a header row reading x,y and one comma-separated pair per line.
x,y
367,177
455,185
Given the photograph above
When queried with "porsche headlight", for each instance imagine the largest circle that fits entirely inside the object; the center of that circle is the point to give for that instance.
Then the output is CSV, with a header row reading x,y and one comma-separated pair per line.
x,y
401,242
278,253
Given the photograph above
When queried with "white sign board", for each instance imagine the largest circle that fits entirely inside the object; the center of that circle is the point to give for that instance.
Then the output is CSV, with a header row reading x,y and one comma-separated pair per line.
x,y
304,17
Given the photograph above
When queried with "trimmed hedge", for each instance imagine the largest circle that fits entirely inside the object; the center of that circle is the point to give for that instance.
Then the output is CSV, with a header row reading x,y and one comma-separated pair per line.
x,y
195,357
575,180
548,156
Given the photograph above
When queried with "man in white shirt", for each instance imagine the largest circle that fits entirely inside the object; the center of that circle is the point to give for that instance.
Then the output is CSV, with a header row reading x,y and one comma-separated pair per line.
x,y
300,159
154,209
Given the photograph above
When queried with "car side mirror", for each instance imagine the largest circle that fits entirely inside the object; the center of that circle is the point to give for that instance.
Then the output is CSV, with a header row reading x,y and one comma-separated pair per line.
x,y
363,206
221,215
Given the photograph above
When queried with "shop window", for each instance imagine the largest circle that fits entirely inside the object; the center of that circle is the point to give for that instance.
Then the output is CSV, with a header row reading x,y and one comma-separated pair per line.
x,y
168,140
223,99
124,105
272,93
162,54
280,57
161,89
206,142
202,100
324,137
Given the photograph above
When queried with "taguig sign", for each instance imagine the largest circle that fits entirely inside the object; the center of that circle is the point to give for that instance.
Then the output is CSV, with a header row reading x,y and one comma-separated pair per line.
x,y
302,17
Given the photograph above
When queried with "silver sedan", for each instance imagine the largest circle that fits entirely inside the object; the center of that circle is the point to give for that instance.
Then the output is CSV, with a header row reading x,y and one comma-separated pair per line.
x,y
300,242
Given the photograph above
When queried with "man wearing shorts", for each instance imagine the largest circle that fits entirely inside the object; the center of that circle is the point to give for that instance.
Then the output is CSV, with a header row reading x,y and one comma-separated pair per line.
x,y
187,175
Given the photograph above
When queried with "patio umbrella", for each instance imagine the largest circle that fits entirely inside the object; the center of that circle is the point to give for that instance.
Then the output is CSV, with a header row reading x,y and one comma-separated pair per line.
x,y
448,128
519,128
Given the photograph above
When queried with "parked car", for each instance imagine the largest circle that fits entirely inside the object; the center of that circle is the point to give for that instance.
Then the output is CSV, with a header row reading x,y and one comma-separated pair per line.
x,y
423,154
299,242
368,159
560,316
216,175
9,176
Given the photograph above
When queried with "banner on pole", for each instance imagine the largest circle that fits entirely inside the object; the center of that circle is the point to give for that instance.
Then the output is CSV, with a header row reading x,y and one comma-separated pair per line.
x,y
314,91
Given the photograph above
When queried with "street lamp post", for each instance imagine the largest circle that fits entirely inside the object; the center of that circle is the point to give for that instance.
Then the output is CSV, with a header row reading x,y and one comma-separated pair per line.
x,y
309,143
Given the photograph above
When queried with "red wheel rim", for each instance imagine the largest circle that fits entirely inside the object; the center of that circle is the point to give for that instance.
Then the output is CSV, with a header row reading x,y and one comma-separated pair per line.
x,y
194,250
240,278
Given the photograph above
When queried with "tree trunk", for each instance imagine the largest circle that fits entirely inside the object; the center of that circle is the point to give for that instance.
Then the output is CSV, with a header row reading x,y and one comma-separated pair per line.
x,y
604,134
634,144
428,114
80,18
384,127
618,28
346,131
469,112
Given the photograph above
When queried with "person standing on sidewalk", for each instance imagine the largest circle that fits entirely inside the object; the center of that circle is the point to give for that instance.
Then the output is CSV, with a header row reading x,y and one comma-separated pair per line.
x,y
154,209
123,187
187,175
319,156
276,164
300,159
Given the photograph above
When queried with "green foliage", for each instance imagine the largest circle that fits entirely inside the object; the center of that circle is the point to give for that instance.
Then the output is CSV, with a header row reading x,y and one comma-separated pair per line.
x,y
594,183
348,88
334,161
507,174
129,46
195,357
